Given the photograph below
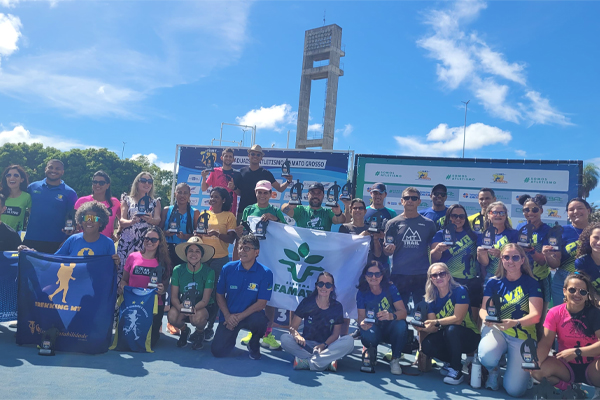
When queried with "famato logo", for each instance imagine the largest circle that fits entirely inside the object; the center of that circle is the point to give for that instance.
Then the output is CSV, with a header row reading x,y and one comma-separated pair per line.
x,y
296,262
423,175
499,178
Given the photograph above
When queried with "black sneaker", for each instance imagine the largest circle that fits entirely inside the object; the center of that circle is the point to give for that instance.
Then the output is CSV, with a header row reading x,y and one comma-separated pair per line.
x,y
254,355
198,342
183,339
194,336
209,335
356,334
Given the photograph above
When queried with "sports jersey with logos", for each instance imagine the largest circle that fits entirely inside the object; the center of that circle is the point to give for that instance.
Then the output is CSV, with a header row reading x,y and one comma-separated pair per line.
x,y
378,302
254,210
187,280
221,177
506,236
460,258
443,307
183,224
588,265
538,240
411,256
436,216
319,323
320,219
76,245
386,213
14,215
113,210
140,269
570,241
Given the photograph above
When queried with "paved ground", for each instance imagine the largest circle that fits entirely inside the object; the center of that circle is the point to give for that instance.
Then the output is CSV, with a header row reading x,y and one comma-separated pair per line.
x,y
172,372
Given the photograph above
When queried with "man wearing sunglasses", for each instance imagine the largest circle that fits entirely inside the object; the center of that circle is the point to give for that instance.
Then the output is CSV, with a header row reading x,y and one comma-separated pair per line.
x,y
410,251
51,199
437,212
314,216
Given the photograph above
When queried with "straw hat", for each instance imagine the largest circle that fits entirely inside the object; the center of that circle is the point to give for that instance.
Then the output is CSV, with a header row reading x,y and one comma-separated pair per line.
x,y
208,251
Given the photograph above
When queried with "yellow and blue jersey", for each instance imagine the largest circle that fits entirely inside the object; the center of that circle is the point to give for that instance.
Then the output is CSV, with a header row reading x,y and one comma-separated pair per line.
x,y
460,258
444,307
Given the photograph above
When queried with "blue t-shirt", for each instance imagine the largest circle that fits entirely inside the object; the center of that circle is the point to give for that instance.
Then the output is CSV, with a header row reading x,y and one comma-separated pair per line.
x,y
182,224
386,213
507,236
76,245
588,265
443,307
49,207
460,258
516,296
318,323
539,239
570,241
413,238
436,216
243,288
380,302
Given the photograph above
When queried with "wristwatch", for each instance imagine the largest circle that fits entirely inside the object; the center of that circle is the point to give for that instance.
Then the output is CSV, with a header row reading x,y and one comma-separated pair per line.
x,y
394,317
437,324
578,352
518,325
326,345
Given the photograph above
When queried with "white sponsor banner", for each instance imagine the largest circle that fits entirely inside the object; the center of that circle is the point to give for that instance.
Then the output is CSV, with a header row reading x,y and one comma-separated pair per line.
x,y
519,179
298,255
195,178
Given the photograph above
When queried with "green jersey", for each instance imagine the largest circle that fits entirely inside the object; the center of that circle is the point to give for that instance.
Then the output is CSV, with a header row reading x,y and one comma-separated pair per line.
x,y
320,219
254,210
186,280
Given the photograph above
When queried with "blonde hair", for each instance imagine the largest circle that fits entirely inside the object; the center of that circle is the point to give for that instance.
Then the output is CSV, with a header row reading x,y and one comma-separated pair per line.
x,y
507,224
525,268
134,186
431,291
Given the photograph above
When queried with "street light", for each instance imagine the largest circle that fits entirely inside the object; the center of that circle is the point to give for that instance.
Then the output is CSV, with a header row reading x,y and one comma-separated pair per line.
x,y
465,130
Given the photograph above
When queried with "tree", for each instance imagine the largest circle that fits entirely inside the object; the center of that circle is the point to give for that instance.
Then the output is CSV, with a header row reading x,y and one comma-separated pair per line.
x,y
595,216
590,179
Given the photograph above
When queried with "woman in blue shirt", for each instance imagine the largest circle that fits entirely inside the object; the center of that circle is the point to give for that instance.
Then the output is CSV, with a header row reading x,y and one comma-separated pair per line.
x,y
588,260
449,326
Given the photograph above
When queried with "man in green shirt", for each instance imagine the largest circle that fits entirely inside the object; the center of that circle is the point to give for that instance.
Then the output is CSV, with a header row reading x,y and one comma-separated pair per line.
x,y
314,216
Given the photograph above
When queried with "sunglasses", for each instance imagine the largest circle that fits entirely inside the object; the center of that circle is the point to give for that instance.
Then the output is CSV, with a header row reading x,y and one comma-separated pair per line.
x,y
91,218
373,274
498,213
358,208
458,216
13,175
246,248
573,290
101,183
439,194
515,258
144,180
440,275
151,240
256,154
533,210
412,198
328,285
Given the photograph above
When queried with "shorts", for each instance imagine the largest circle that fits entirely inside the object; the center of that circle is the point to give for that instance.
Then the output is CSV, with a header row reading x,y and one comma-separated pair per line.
x,y
578,372
475,288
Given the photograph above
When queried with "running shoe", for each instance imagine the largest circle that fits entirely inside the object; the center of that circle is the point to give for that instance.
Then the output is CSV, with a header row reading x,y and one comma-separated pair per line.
x,y
395,367
301,363
270,342
246,340
198,342
454,377
183,339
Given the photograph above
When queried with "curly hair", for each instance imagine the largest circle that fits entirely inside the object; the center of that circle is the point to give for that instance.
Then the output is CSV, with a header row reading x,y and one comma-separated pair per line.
x,y
315,293
162,251
96,207
538,199
363,285
134,193
584,247
224,195
525,267
4,189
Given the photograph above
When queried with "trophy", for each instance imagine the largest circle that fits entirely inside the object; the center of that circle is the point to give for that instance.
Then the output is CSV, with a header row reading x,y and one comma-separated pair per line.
x,y
449,235
187,301
391,233
529,353
209,163
493,310
346,189
478,223
285,169
70,221
375,223
525,238
156,276
246,228
296,193
143,206
420,315
333,194
260,231
489,238
202,227
46,348
555,237
174,221
370,313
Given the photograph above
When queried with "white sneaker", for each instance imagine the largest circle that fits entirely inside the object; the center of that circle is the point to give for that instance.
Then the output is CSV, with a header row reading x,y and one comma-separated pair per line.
x,y
454,377
395,367
492,380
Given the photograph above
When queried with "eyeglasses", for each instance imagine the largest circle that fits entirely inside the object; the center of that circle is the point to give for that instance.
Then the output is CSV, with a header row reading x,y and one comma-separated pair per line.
x,y
440,275
144,180
91,218
412,198
515,257
458,216
255,154
439,194
151,240
328,285
373,274
101,183
358,208
8,175
534,210
498,213
573,290
246,248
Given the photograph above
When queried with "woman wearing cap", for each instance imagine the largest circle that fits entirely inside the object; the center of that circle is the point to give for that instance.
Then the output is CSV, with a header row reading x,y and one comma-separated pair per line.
x,y
193,275
139,266
101,193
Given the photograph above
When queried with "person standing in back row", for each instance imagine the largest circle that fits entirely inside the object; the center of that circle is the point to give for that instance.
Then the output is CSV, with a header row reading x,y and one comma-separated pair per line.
x,y
223,177
437,211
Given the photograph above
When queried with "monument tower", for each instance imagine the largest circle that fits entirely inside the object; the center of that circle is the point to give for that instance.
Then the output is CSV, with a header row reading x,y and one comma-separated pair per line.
x,y
320,44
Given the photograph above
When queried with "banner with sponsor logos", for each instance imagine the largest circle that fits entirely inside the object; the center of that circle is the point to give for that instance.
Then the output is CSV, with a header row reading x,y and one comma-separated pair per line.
x,y
9,269
309,166
557,180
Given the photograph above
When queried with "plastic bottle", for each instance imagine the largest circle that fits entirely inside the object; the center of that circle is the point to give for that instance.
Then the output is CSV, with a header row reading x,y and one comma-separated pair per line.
x,y
476,372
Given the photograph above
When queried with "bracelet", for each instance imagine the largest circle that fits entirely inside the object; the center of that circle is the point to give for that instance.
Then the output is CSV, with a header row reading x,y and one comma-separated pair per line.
x,y
337,215
289,182
326,345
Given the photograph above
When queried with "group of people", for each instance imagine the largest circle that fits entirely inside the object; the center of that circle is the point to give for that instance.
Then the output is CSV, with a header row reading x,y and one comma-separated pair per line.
x,y
409,258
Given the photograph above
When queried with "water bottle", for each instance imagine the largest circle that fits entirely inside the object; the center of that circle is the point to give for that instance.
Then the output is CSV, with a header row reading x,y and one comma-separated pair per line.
x,y
476,372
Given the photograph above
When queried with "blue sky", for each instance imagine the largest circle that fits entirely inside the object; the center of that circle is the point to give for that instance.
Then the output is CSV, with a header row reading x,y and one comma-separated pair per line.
x,y
158,73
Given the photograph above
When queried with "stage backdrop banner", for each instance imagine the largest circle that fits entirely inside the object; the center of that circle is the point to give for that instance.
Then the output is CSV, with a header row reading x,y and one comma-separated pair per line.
x,y
9,269
298,255
76,295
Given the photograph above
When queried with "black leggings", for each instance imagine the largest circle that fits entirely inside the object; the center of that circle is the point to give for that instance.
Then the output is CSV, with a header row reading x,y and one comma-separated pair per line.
x,y
156,324
450,343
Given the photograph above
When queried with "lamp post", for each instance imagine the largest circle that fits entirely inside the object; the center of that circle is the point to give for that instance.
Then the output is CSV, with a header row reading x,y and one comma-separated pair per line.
x,y
465,130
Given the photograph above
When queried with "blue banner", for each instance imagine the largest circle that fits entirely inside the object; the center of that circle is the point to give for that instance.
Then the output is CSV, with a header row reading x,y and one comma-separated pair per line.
x,y
136,314
9,269
74,294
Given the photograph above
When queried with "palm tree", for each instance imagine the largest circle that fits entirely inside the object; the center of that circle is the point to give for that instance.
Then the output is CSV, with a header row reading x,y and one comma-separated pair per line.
x,y
590,179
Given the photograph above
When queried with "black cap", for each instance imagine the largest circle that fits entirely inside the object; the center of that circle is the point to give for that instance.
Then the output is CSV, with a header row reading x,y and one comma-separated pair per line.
x,y
378,187
317,185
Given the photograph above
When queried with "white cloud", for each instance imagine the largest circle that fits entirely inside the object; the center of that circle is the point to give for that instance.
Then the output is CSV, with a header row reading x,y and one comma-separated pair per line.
x,y
10,32
541,112
153,159
595,161
8,3
493,97
494,63
521,153
346,130
315,128
21,135
274,117
443,140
